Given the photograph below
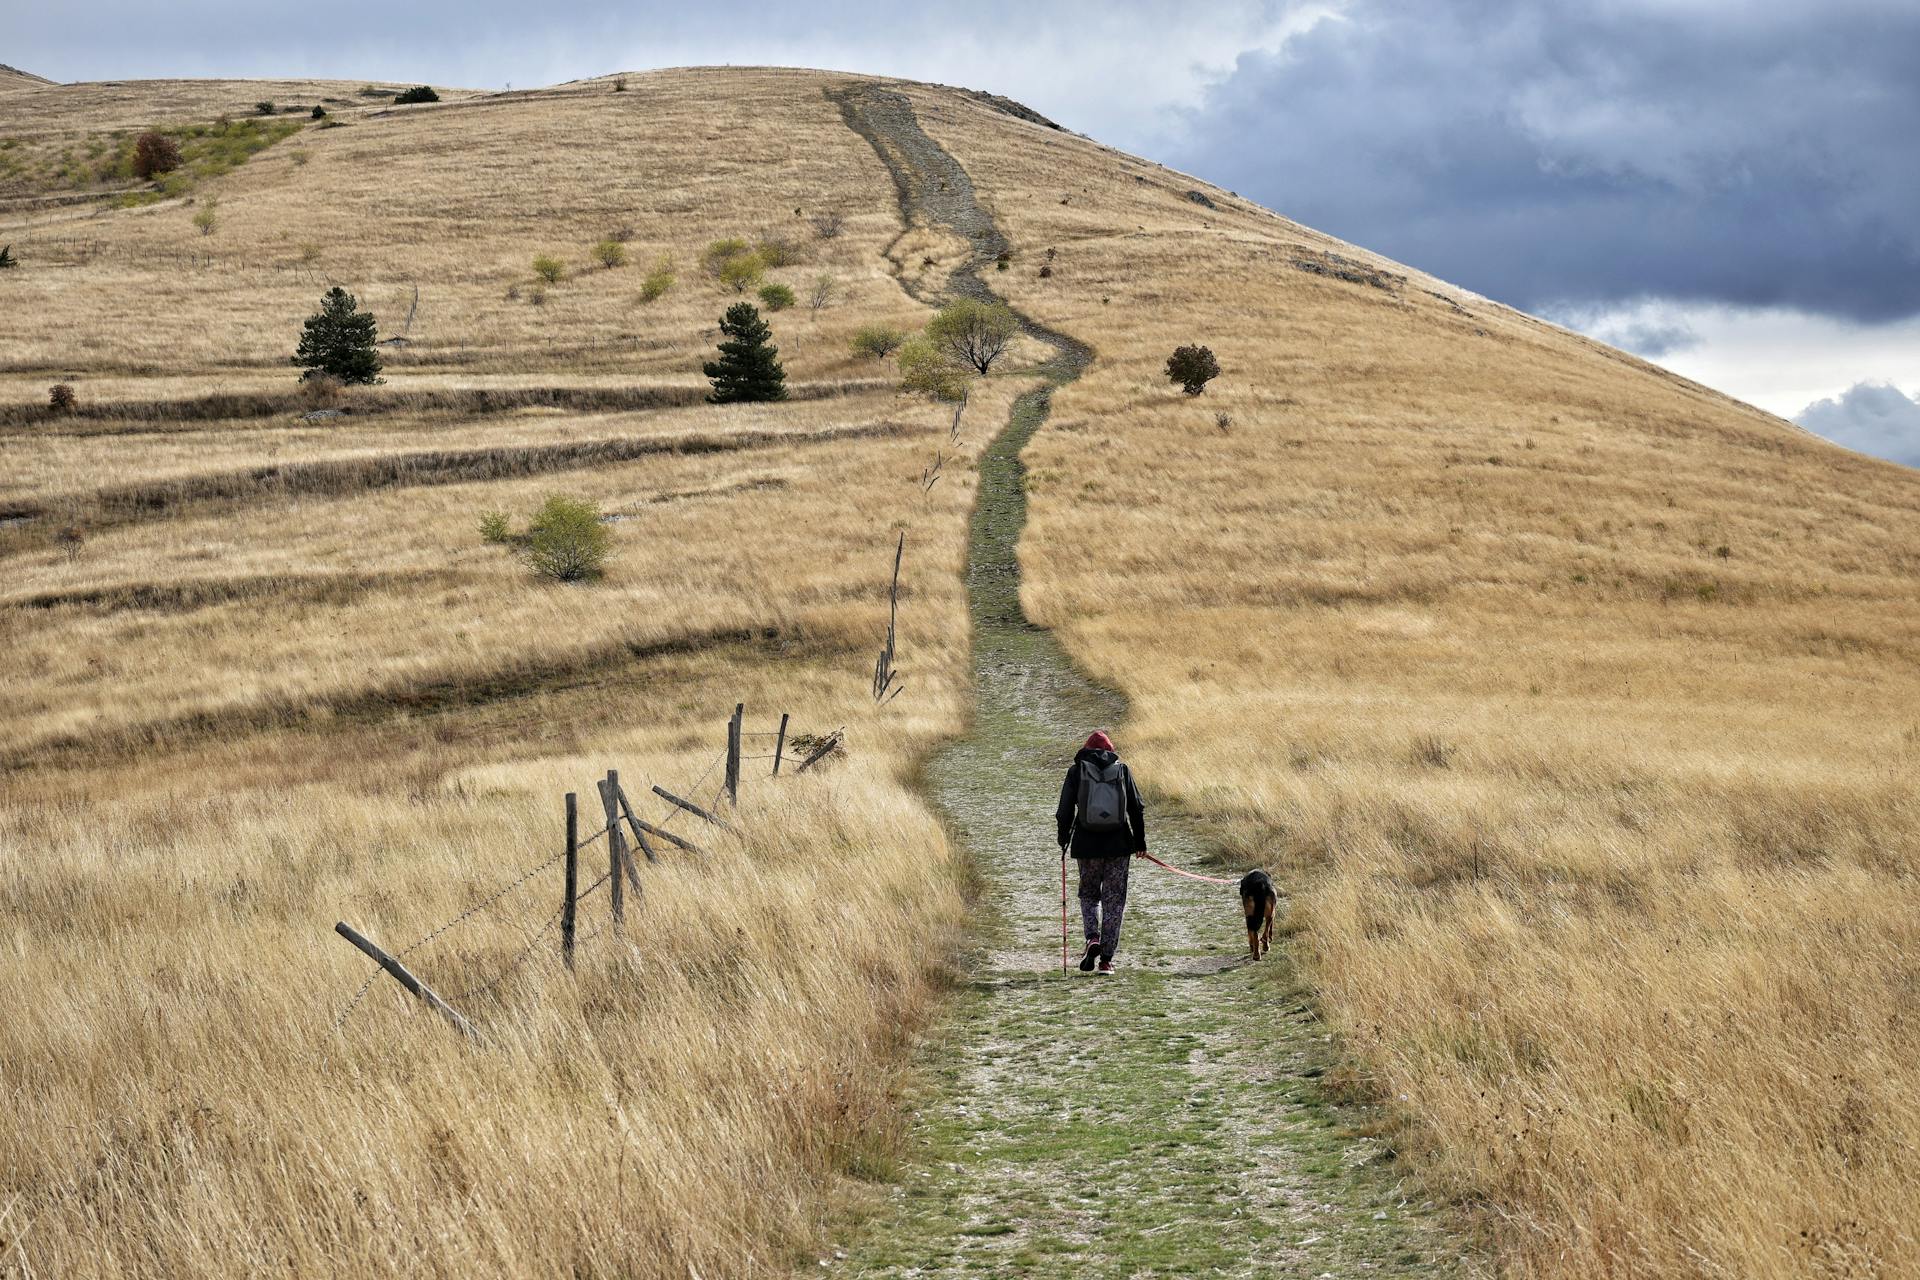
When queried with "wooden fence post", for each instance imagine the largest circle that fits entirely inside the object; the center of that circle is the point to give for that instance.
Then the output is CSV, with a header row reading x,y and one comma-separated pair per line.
x,y
780,744
733,754
639,836
406,979
573,878
616,884
694,809
884,674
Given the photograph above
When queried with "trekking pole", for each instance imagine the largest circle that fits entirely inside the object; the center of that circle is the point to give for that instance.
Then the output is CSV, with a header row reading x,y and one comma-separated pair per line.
x,y
1063,908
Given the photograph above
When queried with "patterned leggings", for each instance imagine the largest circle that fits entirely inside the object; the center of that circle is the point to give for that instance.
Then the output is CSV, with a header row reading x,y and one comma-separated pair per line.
x,y
1103,900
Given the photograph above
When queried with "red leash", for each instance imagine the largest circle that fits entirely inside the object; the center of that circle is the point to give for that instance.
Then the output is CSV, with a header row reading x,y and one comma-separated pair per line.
x,y
1191,875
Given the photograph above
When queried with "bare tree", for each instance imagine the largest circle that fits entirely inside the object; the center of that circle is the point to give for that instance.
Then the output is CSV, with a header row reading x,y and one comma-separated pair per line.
x,y
830,224
820,293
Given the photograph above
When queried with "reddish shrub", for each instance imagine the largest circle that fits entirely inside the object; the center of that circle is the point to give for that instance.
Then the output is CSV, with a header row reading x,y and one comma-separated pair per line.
x,y
154,154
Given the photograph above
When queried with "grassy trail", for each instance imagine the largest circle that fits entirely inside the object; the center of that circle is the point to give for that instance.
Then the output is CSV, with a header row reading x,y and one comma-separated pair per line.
x,y
1167,1121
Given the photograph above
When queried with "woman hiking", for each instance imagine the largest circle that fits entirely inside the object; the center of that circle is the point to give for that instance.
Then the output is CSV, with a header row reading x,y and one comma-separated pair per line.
x,y
1101,816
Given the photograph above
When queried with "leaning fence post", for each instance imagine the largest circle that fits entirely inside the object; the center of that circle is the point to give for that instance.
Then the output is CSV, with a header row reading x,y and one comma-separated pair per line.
x,y
639,836
733,753
406,979
780,744
573,878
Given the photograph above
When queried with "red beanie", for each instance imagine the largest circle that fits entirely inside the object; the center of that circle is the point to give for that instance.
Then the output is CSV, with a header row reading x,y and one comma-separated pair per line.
x,y
1098,741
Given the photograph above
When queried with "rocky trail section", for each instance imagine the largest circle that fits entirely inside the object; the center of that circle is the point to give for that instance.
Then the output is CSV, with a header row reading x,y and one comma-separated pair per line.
x,y
1168,1121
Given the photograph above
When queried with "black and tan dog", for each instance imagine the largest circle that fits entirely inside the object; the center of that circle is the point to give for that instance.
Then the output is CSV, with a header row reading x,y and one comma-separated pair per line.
x,y
1258,901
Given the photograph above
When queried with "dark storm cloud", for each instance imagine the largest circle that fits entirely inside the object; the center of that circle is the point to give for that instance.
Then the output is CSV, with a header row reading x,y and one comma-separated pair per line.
x,y
1758,154
1871,417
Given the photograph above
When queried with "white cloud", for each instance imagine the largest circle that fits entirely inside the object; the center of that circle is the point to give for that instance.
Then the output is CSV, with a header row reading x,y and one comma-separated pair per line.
x,y
1872,417
1778,359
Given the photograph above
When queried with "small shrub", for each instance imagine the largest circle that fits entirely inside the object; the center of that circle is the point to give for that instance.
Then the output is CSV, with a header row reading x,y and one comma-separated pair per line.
x,y
610,253
720,252
776,297
1193,368
319,113
7,261
208,218
1223,420
776,252
1046,272
537,295
153,155
263,108
70,539
566,541
60,398
742,273
549,268
513,293
877,340
494,528
1050,252
829,225
620,84
420,93
321,391
1003,262
658,281
299,157
929,368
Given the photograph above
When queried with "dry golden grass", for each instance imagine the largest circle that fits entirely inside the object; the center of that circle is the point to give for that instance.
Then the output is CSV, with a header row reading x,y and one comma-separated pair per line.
x,y
280,681
1579,705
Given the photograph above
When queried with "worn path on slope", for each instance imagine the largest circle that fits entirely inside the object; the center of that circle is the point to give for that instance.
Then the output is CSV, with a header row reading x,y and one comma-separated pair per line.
x,y
1167,1121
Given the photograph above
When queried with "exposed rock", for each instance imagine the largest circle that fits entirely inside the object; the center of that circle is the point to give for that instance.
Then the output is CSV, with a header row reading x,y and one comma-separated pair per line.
x,y
1007,106
1342,268
1200,197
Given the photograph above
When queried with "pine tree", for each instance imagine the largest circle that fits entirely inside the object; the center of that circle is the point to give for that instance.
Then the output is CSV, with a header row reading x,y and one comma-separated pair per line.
x,y
749,367
338,341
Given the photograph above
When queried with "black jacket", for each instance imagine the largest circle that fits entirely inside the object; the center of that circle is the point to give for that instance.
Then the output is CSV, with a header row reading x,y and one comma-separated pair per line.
x,y
1101,844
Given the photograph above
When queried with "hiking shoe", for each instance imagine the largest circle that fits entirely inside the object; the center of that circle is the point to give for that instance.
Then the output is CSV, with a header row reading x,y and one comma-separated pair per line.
x,y
1087,960
1106,967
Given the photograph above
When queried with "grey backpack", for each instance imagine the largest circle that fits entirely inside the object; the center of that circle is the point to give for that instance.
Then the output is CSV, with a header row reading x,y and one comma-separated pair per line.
x,y
1103,797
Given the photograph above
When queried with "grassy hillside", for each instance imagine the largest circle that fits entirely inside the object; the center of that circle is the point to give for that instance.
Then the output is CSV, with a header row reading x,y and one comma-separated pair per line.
x,y
1578,704
1575,702
14,78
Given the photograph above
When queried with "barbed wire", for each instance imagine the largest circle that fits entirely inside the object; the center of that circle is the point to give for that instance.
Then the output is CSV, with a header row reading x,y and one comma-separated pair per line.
x,y
464,916
521,957
514,964
675,811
